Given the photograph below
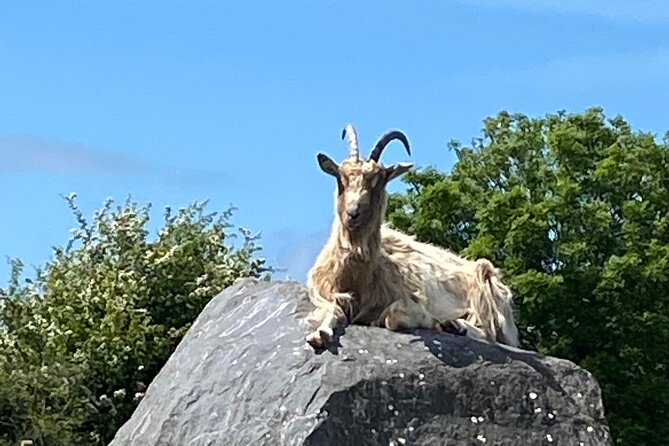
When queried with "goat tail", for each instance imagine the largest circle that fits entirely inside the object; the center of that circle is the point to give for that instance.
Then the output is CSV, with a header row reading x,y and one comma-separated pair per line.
x,y
492,302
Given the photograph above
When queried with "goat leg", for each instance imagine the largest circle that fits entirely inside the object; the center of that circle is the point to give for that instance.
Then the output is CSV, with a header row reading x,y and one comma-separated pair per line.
x,y
332,319
456,327
410,314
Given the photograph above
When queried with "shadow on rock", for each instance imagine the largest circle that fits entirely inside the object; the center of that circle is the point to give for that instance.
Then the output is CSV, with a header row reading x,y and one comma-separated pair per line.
x,y
461,351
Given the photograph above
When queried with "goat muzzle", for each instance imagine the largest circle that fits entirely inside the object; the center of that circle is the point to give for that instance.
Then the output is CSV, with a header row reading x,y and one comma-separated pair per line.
x,y
353,219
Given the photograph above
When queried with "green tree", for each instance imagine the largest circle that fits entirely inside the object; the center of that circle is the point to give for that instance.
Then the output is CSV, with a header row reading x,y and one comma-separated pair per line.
x,y
81,341
575,209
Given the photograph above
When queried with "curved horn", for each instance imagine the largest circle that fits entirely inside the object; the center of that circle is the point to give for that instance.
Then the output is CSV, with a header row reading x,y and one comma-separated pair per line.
x,y
385,139
350,133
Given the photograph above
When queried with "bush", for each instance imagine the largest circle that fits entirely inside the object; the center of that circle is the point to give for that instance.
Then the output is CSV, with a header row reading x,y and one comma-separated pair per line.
x,y
575,209
81,341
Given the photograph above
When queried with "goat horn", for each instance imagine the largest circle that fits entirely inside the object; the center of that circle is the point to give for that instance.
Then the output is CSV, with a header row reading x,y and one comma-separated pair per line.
x,y
385,139
350,133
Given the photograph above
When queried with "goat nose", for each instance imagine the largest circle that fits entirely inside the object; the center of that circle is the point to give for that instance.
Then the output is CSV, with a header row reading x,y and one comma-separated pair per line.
x,y
353,214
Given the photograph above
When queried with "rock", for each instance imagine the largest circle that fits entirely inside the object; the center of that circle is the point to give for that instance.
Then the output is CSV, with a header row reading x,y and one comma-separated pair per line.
x,y
243,375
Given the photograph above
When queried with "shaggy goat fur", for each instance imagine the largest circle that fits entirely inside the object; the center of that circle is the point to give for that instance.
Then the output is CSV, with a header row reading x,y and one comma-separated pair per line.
x,y
371,274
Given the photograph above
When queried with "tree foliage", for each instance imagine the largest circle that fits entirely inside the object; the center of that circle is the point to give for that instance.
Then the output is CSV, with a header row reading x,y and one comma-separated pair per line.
x,y
81,341
575,210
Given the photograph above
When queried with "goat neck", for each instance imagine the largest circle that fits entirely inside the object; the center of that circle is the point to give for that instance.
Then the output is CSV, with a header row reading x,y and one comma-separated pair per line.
x,y
360,246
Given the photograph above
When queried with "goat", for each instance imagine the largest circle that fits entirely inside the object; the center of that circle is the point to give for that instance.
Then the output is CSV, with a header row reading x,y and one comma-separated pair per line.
x,y
371,274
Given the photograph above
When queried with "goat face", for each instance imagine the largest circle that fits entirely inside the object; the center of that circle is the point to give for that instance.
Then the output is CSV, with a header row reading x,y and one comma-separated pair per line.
x,y
361,196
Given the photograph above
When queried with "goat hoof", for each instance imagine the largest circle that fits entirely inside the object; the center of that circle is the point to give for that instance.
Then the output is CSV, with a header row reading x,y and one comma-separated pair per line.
x,y
315,340
326,333
390,323
320,337
462,331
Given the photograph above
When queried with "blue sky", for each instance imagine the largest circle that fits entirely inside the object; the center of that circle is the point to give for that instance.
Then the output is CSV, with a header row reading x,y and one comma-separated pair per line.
x,y
231,101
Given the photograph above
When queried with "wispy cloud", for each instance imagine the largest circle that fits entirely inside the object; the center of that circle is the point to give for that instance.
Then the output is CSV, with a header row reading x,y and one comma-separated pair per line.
x,y
193,177
25,154
584,73
22,154
618,10
294,254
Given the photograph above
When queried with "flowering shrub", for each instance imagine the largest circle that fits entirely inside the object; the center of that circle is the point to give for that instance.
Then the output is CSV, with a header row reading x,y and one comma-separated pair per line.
x,y
81,341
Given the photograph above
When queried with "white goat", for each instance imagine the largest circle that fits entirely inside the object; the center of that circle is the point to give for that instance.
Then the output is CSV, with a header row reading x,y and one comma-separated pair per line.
x,y
370,274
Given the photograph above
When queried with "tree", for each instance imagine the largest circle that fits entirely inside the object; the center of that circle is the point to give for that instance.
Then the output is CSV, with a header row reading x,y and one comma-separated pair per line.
x,y
81,341
575,210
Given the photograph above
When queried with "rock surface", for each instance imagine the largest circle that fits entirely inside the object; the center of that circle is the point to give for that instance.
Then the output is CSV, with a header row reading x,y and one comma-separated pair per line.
x,y
243,375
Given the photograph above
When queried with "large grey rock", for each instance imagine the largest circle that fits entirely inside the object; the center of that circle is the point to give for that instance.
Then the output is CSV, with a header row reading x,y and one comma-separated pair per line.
x,y
243,375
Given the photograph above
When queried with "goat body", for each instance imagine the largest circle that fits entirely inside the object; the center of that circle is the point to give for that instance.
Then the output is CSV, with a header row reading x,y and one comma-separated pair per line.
x,y
452,288
371,274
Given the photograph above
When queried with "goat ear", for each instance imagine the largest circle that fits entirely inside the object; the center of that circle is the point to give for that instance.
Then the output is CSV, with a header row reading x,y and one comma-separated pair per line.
x,y
397,170
327,165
